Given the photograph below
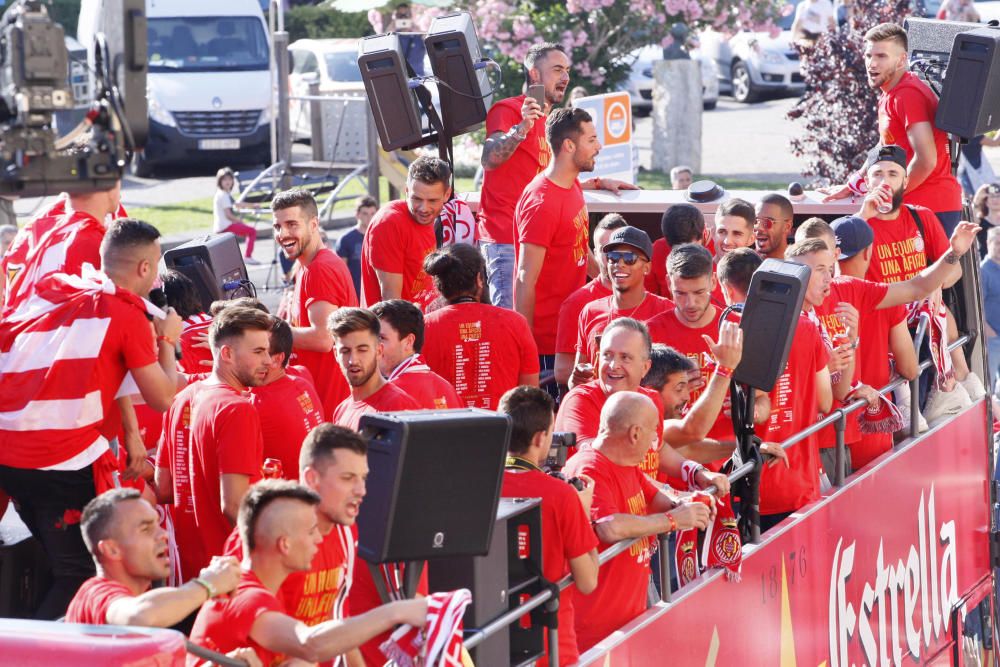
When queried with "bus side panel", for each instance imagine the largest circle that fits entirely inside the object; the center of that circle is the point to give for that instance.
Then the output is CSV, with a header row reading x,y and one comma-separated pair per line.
x,y
867,575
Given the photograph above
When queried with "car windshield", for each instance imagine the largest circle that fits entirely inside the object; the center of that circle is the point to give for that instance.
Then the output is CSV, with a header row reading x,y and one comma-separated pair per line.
x,y
787,16
343,66
207,43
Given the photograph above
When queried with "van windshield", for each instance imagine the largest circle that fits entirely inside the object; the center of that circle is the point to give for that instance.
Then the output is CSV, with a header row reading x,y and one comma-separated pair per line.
x,y
207,43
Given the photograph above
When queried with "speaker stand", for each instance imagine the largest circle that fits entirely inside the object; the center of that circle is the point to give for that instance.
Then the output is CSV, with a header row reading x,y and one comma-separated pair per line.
x,y
390,591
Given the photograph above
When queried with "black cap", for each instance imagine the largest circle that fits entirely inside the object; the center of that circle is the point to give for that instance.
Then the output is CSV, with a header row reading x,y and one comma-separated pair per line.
x,y
632,237
889,153
702,192
853,235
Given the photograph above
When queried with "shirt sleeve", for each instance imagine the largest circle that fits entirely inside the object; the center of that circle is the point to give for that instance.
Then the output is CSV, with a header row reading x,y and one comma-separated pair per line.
x,y
604,503
385,245
101,598
912,107
501,118
323,282
578,536
238,440
138,346
535,220
576,415
870,295
245,607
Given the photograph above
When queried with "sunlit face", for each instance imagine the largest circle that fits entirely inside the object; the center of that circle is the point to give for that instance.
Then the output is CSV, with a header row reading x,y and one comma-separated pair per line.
x,y
364,216
822,264
295,232
692,297
249,356
882,61
732,232
138,540
358,353
301,535
586,147
395,350
891,174
771,229
341,486
625,278
682,181
425,201
226,183
623,360
675,394
552,71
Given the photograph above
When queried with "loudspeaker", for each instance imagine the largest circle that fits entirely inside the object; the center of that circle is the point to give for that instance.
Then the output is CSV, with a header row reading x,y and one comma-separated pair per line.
x,y
499,581
970,99
453,48
393,104
433,485
774,302
931,39
213,263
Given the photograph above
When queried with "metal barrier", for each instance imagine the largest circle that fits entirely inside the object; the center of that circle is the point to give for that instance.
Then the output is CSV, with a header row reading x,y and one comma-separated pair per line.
x,y
212,656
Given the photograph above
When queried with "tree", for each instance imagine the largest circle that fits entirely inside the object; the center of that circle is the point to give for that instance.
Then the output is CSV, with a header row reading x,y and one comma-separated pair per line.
x,y
599,35
839,109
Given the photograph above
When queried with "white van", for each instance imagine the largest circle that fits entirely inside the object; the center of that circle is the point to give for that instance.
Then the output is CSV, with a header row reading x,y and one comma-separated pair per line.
x,y
209,81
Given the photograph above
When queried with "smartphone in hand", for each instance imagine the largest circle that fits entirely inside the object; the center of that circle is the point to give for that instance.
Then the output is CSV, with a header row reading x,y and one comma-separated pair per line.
x,y
537,91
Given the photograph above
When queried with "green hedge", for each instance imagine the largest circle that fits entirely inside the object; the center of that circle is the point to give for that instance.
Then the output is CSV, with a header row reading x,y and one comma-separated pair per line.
x,y
322,22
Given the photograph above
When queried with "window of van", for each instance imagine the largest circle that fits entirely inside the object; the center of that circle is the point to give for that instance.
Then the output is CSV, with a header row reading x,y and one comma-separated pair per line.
x,y
207,43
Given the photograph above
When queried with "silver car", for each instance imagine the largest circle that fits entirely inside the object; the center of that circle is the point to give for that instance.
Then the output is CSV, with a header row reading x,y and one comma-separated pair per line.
x,y
640,80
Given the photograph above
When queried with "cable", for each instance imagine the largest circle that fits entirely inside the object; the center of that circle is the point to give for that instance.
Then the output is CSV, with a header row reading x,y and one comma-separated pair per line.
x,y
487,63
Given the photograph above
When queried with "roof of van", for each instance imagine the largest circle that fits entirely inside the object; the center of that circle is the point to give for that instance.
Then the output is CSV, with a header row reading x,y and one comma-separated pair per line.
x,y
230,8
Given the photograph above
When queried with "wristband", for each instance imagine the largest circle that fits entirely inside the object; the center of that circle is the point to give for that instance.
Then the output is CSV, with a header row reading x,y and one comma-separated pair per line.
x,y
207,586
724,371
673,522
167,339
690,470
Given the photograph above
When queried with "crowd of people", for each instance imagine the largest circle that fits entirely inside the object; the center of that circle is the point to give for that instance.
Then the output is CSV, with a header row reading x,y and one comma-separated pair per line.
x,y
202,468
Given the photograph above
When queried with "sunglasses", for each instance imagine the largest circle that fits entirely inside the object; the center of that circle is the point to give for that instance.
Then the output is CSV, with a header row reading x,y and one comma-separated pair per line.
x,y
766,223
626,256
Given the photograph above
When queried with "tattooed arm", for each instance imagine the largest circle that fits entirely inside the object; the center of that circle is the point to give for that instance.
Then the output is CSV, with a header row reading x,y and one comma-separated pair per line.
x,y
500,146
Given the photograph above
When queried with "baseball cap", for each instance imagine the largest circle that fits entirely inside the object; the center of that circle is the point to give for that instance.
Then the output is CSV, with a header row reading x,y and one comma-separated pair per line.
x,y
632,237
853,235
887,153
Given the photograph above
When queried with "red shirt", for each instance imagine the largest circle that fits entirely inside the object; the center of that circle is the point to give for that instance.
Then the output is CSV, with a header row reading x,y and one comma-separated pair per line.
x,y
567,535
569,314
320,593
580,413
288,409
657,280
865,296
76,353
173,454
326,278
670,330
899,251
502,187
793,408
224,623
480,349
388,398
555,218
225,439
92,599
396,243
621,589
427,388
191,356
596,315
910,102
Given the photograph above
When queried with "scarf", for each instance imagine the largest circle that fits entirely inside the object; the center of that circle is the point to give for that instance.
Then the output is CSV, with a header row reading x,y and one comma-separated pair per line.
x,y
937,337
414,363
721,547
886,417
439,643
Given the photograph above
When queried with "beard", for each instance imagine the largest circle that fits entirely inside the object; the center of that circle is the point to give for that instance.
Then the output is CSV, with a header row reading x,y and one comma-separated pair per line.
x,y
897,198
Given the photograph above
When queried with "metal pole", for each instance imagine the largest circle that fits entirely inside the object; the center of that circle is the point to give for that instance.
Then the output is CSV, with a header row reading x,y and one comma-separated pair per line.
x,y
664,540
373,157
316,122
552,606
284,128
840,458
483,633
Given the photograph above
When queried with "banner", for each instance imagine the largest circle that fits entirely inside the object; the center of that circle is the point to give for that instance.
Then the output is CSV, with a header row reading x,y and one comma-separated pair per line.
x,y
612,114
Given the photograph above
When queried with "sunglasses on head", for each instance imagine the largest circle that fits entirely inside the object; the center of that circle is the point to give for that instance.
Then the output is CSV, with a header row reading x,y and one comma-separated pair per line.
x,y
627,256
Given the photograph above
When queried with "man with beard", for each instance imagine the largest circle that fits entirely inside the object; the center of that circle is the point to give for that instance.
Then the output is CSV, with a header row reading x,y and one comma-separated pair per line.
x,y
322,285
772,226
226,448
402,234
552,256
358,349
906,110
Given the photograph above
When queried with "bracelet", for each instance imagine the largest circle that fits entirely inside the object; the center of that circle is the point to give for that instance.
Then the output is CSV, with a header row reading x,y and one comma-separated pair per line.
x,y
167,339
724,371
597,183
690,470
673,522
207,586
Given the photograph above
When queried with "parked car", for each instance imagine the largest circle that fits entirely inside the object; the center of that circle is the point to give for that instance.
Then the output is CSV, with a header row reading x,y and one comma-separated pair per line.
x,y
640,80
751,64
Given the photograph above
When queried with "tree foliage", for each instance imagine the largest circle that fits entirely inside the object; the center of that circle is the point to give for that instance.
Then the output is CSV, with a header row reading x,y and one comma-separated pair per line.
x,y
839,109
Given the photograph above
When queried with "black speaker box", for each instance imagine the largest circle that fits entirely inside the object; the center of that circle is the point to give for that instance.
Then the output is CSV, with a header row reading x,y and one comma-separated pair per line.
x,y
393,104
213,263
434,483
931,39
970,98
500,581
774,302
453,48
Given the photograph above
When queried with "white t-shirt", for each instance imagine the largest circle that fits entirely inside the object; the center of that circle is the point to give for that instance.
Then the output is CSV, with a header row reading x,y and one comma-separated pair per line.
x,y
223,200
814,15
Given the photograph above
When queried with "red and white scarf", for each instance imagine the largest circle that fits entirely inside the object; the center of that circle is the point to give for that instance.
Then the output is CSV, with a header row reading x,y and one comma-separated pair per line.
x,y
414,363
937,336
721,547
439,642
886,417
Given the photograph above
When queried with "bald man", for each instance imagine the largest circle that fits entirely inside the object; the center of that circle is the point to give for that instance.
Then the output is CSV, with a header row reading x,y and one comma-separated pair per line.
x,y
280,533
626,504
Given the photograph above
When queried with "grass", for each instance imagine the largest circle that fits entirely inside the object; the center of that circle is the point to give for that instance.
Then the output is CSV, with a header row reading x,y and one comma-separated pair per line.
x,y
196,215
